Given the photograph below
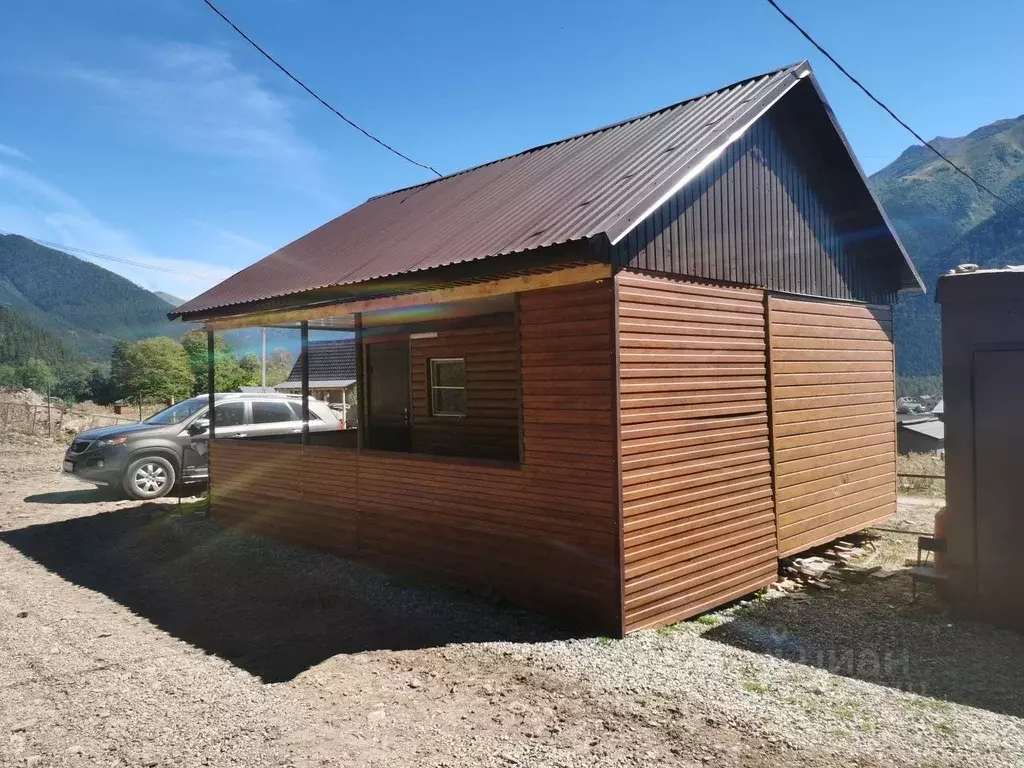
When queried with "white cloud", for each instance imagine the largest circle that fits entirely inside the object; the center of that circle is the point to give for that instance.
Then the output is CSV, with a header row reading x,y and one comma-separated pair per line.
x,y
34,207
196,98
17,154
233,238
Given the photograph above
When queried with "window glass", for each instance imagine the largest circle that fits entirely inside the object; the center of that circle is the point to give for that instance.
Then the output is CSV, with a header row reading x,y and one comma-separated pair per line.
x,y
179,412
297,410
448,387
229,414
270,412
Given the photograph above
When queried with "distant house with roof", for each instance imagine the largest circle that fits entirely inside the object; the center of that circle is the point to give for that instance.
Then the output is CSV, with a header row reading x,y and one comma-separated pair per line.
x,y
332,371
923,435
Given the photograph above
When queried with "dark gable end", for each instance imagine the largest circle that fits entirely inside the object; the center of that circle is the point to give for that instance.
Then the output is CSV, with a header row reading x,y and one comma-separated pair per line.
x,y
784,207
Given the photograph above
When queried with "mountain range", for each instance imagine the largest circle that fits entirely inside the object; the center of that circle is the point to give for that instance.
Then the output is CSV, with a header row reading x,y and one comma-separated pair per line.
x,y
945,220
86,306
63,309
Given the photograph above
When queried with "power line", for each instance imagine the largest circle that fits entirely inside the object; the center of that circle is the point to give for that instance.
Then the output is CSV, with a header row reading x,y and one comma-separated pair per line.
x,y
316,96
880,103
118,259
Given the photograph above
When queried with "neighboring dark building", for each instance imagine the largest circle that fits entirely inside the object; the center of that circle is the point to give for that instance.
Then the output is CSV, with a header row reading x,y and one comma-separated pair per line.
x,y
983,411
332,370
926,435
616,377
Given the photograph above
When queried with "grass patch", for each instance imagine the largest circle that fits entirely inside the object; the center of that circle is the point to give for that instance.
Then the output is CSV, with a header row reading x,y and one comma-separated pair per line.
x,y
603,640
946,728
755,687
931,705
921,464
669,629
846,711
708,620
190,507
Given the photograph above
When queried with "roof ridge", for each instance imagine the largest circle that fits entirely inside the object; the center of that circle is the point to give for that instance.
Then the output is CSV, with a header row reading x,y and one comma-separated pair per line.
x,y
593,131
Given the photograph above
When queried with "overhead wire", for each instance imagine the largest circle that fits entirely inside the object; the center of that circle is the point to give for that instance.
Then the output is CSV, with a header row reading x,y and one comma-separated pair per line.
x,y
885,107
317,96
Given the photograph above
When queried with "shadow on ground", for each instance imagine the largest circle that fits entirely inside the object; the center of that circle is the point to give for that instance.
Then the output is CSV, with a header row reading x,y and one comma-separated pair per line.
x,y
78,496
872,631
272,609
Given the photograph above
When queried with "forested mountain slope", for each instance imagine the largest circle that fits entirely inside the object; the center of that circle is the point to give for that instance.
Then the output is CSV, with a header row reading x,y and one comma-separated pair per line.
x,y
945,220
86,306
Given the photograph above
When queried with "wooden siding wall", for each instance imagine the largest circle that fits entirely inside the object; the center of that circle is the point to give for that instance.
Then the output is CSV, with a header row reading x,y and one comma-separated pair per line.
x,y
698,519
754,218
544,532
833,413
490,428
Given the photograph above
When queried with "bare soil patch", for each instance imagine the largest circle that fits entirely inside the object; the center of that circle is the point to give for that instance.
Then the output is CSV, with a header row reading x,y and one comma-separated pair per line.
x,y
137,634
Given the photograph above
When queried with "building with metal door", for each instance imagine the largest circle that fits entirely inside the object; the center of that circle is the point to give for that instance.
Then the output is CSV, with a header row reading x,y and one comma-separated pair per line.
x,y
983,410
614,377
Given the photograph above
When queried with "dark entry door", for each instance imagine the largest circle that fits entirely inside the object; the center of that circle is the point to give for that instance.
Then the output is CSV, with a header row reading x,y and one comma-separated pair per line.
x,y
387,374
999,467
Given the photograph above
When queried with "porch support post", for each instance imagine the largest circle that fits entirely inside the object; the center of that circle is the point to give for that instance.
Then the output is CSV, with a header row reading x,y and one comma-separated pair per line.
x,y
304,357
212,429
360,385
210,383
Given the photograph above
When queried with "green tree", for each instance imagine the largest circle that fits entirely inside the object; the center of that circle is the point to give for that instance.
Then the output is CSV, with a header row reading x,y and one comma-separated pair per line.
x,y
72,384
279,365
153,369
36,374
120,370
228,374
250,365
9,377
101,388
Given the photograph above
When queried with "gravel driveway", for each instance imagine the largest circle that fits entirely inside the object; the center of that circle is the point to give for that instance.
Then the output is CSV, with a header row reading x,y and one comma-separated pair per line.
x,y
135,634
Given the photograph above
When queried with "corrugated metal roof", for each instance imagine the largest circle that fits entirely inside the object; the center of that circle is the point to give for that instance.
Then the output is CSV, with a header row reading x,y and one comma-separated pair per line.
x,y
597,183
934,428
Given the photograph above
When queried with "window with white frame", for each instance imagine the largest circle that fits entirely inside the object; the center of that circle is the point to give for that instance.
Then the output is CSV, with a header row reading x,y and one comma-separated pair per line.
x,y
447,386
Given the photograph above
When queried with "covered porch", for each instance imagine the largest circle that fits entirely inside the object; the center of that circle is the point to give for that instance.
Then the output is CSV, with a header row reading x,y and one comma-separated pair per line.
x,y
486,447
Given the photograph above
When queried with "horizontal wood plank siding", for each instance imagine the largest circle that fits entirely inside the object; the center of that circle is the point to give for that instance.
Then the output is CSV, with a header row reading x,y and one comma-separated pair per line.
x,y
833,406
543,532
698,520
490,428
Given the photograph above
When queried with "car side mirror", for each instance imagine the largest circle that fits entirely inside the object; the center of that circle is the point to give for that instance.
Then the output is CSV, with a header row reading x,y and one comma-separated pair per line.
x,y
198,427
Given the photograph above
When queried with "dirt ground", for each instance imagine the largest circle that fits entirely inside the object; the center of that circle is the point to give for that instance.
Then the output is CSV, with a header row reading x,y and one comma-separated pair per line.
x,y
140,634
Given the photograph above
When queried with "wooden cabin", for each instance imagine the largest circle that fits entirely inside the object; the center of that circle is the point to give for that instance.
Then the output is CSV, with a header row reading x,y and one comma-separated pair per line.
x,y
615,377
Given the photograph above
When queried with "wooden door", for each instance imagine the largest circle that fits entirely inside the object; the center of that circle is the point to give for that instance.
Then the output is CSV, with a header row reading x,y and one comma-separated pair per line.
x,y
387,375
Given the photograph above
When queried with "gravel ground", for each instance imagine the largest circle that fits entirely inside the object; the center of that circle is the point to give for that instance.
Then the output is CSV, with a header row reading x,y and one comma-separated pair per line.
x,y
134,634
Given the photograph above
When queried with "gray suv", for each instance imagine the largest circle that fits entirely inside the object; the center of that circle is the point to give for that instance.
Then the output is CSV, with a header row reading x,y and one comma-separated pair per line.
x,y
148,458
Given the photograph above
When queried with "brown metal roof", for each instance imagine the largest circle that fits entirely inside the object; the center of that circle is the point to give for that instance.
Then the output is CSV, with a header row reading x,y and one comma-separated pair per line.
x,y
597,183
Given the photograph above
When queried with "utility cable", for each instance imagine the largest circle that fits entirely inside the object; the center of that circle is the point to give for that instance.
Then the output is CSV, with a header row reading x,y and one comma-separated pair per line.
x,y
882,104
315,95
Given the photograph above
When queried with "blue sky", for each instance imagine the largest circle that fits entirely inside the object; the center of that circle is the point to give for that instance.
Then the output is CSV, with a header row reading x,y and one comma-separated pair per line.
x,y
149,131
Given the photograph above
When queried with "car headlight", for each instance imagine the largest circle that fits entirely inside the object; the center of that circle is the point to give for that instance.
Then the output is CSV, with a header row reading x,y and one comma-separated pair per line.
x,y
109,441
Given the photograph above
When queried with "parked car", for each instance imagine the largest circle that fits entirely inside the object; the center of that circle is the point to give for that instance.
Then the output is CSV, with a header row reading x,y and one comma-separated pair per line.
x,y
147,459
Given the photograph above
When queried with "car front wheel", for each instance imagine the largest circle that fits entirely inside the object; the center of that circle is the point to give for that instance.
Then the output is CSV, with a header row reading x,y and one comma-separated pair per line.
x,y
149,478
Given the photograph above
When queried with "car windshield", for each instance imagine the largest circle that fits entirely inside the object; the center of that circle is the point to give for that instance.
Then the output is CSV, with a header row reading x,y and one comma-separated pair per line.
x,y
177,413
